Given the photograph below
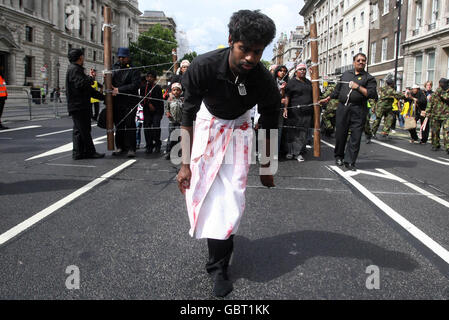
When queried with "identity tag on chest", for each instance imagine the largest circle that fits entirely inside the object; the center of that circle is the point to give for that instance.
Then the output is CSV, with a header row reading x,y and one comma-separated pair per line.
x,y
242,89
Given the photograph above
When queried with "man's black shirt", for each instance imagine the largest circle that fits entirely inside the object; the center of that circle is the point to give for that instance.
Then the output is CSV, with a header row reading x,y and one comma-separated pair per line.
x,y
210,79
356,98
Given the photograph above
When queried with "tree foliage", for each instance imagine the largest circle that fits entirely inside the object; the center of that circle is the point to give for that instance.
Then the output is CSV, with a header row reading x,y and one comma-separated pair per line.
x,y
189,56
148,50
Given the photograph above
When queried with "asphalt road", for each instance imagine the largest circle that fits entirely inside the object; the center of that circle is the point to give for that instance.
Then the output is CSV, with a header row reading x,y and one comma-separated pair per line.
x,y
317,235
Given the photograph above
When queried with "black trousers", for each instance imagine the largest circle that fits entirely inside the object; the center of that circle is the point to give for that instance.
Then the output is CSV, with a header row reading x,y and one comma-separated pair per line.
x,y
220,252
425,133
298,133
351,117
82,139
152,128
2,106
96,110
125,125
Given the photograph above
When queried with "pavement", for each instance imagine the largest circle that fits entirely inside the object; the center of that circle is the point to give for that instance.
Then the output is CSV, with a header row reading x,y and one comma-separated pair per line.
x,y
321,233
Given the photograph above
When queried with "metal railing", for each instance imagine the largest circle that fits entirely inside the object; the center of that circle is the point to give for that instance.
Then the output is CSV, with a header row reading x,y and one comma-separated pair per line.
x,y
23,103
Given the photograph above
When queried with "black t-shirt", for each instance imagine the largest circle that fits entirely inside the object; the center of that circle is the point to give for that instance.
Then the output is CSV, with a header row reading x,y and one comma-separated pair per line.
x,y
209,80
300,94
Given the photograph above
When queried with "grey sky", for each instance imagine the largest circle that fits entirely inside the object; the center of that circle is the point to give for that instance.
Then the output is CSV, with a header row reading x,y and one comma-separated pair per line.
x,y
205,22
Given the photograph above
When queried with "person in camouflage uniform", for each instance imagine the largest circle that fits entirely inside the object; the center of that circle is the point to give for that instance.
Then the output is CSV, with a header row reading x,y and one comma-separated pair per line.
x,y
367,129
329,114
384,107
438,113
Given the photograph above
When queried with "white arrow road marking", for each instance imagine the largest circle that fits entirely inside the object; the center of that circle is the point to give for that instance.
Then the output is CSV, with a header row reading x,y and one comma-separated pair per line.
x,y
65,148
408,226
57,132
21,227
17,129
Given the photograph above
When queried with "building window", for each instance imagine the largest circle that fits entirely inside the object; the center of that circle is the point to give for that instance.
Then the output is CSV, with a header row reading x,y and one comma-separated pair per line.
x,y
354,23
395,43
28,66
431,66
386,6
384,49
92,32
92,5
81,31
418,69
362,18
347,27
435,8
418,18
373,52
374,12
29,34
447,75
95,56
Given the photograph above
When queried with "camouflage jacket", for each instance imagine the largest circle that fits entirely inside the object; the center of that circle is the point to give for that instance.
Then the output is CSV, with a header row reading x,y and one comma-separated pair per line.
x,y
437,108
387,94
333,103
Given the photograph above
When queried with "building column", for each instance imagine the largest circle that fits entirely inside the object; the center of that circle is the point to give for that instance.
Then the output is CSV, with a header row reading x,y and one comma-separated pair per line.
x,y
12,68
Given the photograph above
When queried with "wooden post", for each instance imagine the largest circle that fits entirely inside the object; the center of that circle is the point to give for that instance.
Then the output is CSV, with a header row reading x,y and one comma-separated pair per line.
x,y
175,59
316,91
107,36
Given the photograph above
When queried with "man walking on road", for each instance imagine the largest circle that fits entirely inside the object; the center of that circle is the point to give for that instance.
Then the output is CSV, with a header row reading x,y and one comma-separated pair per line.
x,y
79,91
384,107
438,113
221,88
352,110
3,97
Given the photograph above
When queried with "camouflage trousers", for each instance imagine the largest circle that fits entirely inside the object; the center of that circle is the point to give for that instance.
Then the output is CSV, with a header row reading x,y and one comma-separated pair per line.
x,y
436,126
367,128
328,118
388,115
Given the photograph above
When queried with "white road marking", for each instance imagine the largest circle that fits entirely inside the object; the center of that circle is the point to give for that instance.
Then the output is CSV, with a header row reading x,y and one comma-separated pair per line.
x,y
328,144
21,128
408,226
445,159
65,148
21,227
52,133
410,152
70,165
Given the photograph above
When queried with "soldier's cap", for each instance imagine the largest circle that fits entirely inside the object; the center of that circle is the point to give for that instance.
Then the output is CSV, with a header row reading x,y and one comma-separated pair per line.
x,y
443,81
389,81
415,86
123,52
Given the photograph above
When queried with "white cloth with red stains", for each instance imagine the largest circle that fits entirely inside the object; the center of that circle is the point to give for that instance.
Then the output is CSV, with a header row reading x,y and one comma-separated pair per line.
x,y
220,161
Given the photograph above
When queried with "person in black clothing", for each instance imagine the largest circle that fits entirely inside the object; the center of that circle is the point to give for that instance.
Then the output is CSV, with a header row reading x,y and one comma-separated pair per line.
x,y
79,91
420,101
221,87
127,82
352,110
153,111
281,78
299,100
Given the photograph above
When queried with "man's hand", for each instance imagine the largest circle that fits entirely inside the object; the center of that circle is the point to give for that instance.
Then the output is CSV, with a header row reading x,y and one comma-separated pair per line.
x,y
353,85
114,92
183,178
423,113
152,108
168,114
267,180
325,100
285,113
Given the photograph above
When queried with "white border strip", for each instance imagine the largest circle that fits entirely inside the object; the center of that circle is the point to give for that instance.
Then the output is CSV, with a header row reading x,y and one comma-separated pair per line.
x,y
410,152
21,227
408,226
17,129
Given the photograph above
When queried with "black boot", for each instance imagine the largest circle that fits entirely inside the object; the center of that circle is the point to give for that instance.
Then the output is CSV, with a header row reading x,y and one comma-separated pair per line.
x,y
220,252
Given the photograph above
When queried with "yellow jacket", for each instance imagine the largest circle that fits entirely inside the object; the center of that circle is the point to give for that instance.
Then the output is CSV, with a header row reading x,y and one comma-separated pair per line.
x,y
395,105
95,86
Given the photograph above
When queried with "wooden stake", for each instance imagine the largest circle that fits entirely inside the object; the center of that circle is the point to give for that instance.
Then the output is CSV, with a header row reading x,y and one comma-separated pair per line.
x,y
316,91
175,59
107,36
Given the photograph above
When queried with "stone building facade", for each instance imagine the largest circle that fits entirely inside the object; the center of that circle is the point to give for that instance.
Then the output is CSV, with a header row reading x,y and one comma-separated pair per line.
x,y
426,46
35,36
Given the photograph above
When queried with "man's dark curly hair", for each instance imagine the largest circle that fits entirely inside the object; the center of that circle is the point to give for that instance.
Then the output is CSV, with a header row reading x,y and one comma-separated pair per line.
x,y
251,27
